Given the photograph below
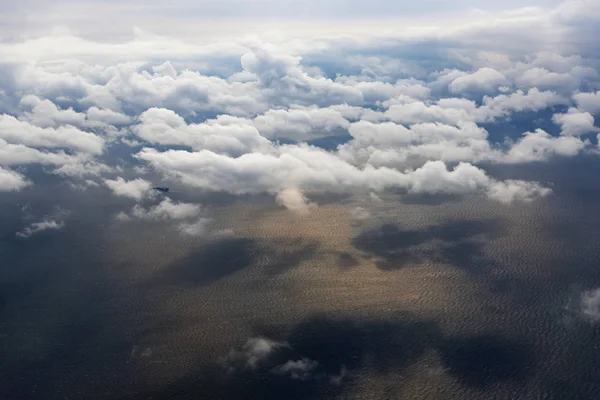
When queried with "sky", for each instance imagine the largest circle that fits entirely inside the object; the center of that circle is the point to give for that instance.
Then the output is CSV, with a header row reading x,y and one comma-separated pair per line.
x,y
293,100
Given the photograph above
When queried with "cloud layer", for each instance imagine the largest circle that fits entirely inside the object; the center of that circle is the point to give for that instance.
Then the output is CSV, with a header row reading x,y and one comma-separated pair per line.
x,y
413,110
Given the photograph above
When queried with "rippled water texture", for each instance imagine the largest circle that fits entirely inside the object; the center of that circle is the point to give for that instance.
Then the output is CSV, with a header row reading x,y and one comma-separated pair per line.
x,y
430,297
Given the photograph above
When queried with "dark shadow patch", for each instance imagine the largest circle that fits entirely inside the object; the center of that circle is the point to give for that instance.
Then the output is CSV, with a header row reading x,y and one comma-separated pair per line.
x,y
336,349
485,359
211,262
517,290
346,260
285,254
460,243
384,345
218,259
467,255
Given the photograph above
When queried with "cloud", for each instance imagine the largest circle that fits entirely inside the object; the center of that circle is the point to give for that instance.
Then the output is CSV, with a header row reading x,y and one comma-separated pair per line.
x,y
65,136
375,199
590,305
252,353
36,227
295,201
18,154
11,180
511,190
265,356
309,168
361,213
223,135
304,123
199,227
387,108
540,146
165,210
136,189
575,122
83,168
45,114
484,80
519,101
297,369
588,102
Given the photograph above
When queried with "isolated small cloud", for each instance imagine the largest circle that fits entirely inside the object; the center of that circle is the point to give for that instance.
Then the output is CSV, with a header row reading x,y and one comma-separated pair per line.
x,y
590,305
297,369
252,353
36,227
136,189
199,227
295,201
575,122
360,214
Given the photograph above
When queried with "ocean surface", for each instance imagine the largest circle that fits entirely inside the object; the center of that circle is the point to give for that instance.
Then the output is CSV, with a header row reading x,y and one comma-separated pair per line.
x,y
429,297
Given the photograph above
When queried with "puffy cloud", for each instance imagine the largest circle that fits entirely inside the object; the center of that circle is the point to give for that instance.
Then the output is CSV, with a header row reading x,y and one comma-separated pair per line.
x,y
200,227
419,112
297,369
575,122
301,123
18,154
543,79
295,201
484,80
45,113
107,116
136,189
36,227
66,99
434,177
223,135
165,210
540,146
533,100
510,190
283,80
65,136
309,168
588,102
11,180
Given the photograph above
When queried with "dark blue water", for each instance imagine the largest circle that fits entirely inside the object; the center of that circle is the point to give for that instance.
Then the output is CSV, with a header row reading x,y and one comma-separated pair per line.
x,y
431,298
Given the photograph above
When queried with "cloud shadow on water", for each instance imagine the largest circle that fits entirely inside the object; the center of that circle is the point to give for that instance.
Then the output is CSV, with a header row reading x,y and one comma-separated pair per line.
x,y
211,262
485,359
460,243
339,349
218,259
346,260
